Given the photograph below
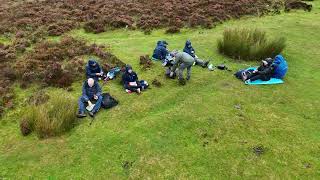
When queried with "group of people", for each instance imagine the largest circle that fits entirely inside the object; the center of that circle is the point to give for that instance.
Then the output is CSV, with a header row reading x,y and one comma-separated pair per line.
x,y
176,62
91,90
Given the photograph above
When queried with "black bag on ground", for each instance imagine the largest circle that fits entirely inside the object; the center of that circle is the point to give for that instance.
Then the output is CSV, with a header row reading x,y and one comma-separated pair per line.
x,y
108,101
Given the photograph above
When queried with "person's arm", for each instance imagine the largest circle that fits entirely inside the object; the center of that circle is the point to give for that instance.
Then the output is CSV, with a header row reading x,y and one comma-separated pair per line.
x,y
137,78
89,72
266,71
124,79
101,70
84,92
99,92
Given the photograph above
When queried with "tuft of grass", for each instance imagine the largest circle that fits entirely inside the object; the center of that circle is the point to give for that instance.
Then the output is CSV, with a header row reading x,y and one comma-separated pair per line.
x,y
249,44
54,117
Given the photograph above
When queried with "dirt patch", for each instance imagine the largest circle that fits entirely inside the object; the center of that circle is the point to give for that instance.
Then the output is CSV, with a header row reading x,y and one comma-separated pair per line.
x,y
146,62
156,83
259,150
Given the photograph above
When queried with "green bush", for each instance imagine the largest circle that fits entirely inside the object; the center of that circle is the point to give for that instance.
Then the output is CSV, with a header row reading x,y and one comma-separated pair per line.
x,y
249,44
53,118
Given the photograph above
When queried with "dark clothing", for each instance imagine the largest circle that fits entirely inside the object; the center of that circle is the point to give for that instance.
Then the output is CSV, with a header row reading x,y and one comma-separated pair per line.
x,y
130,77
189,49
92,69
264,73
88,94
160,52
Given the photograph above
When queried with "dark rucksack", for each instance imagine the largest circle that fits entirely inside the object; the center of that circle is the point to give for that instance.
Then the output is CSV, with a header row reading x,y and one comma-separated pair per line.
x,y
108,101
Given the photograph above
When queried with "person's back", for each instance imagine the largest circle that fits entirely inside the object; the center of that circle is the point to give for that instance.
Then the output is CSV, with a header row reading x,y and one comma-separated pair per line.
x,y
183,57
160,52
280,67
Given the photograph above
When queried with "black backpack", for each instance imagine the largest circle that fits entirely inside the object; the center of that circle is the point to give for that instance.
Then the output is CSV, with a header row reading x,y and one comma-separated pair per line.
x,y
108,101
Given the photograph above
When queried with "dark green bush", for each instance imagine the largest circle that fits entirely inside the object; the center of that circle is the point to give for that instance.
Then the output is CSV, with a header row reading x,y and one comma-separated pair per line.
x,y
53,118
249,44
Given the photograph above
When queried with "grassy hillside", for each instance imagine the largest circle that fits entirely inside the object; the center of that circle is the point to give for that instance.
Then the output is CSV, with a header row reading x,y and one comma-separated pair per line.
x,y
206,129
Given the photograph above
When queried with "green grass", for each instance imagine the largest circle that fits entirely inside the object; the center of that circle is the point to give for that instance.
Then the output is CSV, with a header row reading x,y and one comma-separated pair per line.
x,y
162,133
249,44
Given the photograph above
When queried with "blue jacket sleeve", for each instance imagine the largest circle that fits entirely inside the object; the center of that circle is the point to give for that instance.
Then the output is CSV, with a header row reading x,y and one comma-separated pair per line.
x,y
84,92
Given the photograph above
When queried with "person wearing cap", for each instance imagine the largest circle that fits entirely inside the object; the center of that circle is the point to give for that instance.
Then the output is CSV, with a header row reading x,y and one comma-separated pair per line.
x,y
161,51
93,70
190,50
182,61
131,81
91,91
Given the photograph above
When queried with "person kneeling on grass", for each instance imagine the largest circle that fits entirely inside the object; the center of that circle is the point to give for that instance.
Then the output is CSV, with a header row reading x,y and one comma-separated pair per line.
x,y
190,50
161,51
131,82
183,61
91,91
93,70
264,72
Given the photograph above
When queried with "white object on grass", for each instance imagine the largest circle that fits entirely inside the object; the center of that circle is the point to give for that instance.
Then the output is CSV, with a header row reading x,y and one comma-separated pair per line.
x,y
90,107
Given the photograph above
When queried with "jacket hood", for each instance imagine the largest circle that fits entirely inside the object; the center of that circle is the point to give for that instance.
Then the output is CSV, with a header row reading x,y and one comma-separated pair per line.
x,y
91,62
128,67
188,43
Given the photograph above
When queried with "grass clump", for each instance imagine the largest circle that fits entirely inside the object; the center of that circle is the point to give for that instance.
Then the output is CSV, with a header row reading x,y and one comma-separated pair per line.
x,y
52,118
249,44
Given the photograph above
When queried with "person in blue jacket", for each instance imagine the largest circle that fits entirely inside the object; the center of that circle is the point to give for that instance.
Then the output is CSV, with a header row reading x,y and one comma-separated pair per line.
x,y
131,81
161,51
93,70
91,91
190,50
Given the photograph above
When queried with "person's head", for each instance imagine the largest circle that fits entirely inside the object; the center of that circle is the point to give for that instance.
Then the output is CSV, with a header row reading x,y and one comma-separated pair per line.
x,y
129,68
165,44
90,82
92,63
188,43
269,61
174,53
264,63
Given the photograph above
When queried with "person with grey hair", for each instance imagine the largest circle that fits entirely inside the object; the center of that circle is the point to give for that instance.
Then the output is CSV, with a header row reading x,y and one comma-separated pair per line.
x,y
91,91
182,61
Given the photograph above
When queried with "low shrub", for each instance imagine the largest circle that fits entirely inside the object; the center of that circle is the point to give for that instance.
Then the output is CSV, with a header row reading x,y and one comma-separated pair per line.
x,y
173,30
53,118
249,44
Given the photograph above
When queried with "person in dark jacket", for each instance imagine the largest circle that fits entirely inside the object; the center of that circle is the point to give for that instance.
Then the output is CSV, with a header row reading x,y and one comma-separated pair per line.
x,y
93,70
190,50
264,72
161,51
91,91
131,81
182,61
